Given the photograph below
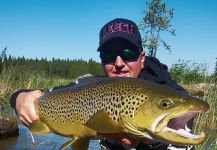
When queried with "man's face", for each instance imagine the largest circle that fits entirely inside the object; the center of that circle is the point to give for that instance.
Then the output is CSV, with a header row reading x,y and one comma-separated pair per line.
x,y
120,67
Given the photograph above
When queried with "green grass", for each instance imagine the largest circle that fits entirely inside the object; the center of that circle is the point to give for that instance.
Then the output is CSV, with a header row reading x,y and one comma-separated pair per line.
x,y
208,121
12,80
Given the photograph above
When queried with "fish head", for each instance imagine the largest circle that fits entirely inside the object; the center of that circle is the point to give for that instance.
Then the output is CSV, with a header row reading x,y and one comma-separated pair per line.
x,y
163,117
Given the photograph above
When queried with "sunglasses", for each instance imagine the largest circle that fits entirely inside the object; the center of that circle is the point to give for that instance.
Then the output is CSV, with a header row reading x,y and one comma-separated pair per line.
x,y
127,55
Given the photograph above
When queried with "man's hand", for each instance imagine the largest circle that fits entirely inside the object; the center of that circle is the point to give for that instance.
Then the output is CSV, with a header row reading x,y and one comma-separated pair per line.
x,y
125,139
128,141
25,107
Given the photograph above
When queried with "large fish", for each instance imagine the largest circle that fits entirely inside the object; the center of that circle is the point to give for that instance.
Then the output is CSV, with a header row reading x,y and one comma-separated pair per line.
x,y
97,106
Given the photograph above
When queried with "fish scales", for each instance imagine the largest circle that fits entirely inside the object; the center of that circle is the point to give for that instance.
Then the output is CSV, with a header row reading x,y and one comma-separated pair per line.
x,y
80,104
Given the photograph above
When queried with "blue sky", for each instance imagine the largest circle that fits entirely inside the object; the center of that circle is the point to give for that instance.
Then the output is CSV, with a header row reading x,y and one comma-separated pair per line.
x,y
69,28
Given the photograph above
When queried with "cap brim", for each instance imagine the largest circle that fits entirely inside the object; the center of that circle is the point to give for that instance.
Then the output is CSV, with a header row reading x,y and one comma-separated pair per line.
x,y
113,38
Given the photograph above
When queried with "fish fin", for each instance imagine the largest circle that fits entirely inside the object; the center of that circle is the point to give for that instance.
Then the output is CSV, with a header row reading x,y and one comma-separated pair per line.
x,y
81,144
94,80
90,80
38,127
77,144
103,123
68,143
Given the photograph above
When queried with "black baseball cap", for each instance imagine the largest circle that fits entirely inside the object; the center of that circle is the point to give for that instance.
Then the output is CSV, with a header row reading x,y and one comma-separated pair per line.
x,y
120,28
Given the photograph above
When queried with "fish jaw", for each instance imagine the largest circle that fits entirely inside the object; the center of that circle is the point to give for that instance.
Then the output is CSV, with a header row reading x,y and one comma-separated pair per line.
x,y
180,137
168,131
133,130
175,120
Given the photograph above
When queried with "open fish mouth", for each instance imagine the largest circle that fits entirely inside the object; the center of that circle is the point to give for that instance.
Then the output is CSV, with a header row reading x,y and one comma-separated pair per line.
x,y
178,125
174,128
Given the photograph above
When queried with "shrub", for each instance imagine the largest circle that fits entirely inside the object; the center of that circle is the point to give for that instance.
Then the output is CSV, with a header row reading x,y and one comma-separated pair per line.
x,y
189,72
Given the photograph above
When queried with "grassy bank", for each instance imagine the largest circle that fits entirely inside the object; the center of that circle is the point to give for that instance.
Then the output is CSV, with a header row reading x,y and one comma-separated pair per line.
x,y
12,80
208,121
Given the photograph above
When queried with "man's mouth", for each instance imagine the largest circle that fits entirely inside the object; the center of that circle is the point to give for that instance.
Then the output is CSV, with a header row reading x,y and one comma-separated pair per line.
x,y
121,73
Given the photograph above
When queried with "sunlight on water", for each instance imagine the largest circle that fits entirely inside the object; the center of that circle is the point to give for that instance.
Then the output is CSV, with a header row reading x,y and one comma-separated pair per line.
x,y
45,142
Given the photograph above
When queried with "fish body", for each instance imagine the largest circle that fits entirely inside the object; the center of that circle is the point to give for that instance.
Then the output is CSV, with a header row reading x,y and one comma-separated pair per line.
x,y
100,105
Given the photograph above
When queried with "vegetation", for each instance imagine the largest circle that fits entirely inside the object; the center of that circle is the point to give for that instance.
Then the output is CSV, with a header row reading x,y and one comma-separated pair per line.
x,y
185,72
22,73
208,121
68,69
157,19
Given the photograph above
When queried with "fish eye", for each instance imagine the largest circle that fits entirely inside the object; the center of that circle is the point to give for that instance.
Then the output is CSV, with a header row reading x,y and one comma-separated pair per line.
x,y
165,103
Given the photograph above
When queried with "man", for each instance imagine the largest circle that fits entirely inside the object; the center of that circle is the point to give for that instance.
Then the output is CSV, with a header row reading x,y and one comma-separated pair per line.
x,y
122,55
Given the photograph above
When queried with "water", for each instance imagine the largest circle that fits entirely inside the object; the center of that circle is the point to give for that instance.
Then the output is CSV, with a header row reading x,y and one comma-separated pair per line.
x,y
45,142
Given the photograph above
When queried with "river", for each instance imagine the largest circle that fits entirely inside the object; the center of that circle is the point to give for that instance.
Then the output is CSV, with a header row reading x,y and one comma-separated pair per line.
x,y
42,142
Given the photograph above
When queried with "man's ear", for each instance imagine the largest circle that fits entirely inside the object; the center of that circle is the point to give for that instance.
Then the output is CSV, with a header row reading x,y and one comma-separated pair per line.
x,y
142,59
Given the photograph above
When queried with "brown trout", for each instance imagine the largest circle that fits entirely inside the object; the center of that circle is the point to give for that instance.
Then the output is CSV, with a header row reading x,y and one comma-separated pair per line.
x,y
97,106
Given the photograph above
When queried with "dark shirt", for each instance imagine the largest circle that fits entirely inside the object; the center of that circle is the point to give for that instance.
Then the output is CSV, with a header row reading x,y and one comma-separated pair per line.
x,y
153,71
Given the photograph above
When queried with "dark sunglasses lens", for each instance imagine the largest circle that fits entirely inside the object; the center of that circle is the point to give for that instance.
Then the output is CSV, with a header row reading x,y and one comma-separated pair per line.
x,y
107,57
126,55
130,55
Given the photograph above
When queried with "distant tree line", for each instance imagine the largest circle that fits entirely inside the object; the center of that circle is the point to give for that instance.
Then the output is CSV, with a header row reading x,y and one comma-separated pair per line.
x,y
63,68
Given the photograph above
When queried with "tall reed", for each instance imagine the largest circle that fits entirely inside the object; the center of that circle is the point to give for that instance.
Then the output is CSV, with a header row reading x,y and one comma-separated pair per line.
x,y
13,79
208,121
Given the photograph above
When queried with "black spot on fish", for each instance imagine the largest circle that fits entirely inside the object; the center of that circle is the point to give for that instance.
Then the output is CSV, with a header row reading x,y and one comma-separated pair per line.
x,y
116,112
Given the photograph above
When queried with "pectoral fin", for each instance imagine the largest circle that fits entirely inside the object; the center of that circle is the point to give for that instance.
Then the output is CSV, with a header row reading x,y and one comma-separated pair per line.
x,y
81,144
38,127
103,123
77,144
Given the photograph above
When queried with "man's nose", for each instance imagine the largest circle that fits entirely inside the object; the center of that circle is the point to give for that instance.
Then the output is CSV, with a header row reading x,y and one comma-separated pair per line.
x,y
119,62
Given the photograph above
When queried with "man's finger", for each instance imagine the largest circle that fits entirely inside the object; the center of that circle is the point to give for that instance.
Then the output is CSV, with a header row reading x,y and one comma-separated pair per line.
x,y
32,114
25,118
24,121
37,93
